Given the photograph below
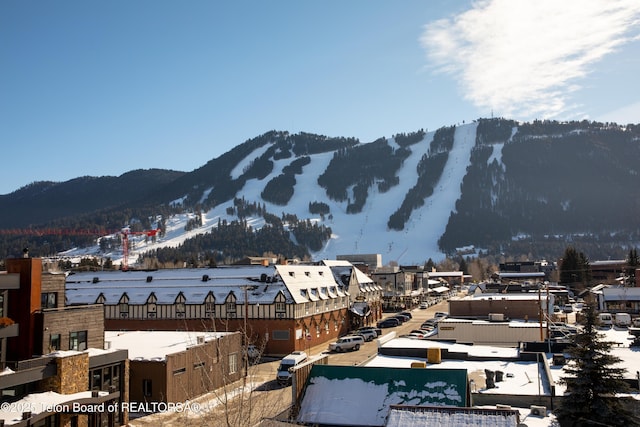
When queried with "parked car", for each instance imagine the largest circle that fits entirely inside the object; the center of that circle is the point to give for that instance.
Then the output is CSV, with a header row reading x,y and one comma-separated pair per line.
x,y
367,334
424,305
402,318
567,308
606,319
253,352
431,323
378,331
347,343
441,315
389,322
407,313
623,320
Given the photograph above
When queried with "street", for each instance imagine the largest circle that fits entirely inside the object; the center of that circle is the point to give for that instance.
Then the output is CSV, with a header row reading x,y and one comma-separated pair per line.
x,y
258,396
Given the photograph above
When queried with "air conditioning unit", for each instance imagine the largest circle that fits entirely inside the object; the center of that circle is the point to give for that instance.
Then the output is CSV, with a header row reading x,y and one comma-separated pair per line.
x,y
180,314
124,315
540,411
280,315
499,406
151,315
200,340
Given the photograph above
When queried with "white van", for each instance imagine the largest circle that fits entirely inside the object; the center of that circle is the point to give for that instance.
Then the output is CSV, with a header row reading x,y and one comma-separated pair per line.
x,y
605,319
283,376
623,320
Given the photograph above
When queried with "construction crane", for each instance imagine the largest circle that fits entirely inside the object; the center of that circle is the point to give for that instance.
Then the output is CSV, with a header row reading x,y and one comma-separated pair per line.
x,y
126,232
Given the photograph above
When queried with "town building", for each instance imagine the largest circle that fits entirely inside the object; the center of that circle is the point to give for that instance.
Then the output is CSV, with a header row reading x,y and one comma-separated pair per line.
x,y
176,366
530,305
55,371
618,299
281,308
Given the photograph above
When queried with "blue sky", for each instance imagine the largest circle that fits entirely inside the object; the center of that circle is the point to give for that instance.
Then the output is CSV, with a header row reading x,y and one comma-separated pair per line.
x,y
102,88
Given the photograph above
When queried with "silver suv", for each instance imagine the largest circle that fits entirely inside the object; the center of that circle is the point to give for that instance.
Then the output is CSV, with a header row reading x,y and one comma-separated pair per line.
x,y
349,342
367,333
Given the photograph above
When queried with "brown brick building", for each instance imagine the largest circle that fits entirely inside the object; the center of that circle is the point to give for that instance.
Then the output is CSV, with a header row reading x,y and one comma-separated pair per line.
x,y
175,366
49,365
283,308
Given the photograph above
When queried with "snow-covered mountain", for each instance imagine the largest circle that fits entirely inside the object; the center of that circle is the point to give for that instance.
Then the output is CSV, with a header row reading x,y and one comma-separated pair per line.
x,y
364,232
494,183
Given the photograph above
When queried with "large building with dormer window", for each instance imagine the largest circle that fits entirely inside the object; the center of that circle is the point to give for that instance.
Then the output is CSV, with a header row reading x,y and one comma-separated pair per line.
x,y
282,308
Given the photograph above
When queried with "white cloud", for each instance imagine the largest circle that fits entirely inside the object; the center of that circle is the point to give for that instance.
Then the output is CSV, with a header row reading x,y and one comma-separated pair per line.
x,y
524,58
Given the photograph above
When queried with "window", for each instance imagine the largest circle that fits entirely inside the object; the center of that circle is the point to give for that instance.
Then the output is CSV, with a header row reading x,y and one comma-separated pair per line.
x,y
198,365
49,300
280,335
231,307
78,340
96,379
146,388
54,342
123,307
210,308
179,371
180,307
106,378
281,307
233,363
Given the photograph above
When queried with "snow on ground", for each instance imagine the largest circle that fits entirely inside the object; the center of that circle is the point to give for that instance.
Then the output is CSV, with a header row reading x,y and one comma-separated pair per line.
x,y
365,232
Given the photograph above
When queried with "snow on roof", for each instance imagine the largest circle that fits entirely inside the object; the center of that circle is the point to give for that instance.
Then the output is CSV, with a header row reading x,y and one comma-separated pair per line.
x,y
522,376
620,293
445,274
519,296
471,350
296,282
156,345
305,282
515,275
361,396
166,285
403,417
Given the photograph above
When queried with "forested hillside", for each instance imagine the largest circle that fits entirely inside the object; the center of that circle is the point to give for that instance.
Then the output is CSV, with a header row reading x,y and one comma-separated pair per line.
x,y
527,189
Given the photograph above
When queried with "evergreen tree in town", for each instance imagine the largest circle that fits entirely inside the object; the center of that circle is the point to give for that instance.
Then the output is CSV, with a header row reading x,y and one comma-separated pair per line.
x,y
574,268
633,263
593,381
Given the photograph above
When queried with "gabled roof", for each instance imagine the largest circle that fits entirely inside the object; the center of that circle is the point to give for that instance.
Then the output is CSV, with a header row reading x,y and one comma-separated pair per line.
x,y
305,281
340,268
299,283
362,396
166,285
